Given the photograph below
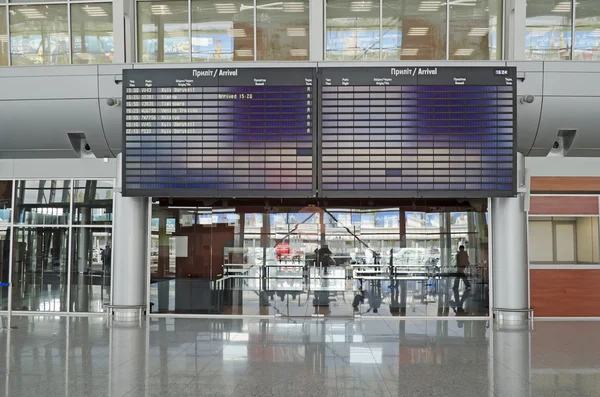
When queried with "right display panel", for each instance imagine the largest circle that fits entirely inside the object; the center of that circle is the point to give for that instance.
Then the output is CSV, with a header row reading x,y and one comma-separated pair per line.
x,y
417,131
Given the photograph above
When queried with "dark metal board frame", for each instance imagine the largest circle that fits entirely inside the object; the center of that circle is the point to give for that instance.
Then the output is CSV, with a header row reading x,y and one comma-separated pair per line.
x,y
466,75
220,80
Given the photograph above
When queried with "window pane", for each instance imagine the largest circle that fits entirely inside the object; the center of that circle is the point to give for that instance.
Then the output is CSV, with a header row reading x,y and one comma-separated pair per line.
x,y
5,201
39,35
4,264
3,38
92,33
282,31
93,202
587,30
565,242
39,272
352,30
223,31
163,32
90,269
42,202
476,30
548,34
413,30
587,240
541,244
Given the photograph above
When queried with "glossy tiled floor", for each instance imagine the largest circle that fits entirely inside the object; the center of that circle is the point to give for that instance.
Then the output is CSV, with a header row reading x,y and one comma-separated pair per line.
x,y
81,356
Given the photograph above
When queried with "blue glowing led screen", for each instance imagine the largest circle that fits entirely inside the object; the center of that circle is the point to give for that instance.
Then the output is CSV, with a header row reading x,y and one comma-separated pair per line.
x,y
224,132
417,131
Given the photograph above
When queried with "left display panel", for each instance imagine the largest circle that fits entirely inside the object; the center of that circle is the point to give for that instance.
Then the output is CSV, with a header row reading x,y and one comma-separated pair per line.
x,y
220,132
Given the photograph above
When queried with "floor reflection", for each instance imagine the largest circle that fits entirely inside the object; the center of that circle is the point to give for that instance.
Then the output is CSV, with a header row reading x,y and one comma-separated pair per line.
x,y
84,356
299,292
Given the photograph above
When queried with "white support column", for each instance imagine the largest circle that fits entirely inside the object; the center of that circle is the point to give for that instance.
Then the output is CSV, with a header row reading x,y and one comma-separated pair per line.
x,y
124,31
514,29
316,30
509,251
130,249
128,353
511,362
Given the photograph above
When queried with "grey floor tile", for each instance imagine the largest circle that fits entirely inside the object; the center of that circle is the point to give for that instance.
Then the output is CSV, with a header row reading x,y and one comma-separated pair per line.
x,y
305,357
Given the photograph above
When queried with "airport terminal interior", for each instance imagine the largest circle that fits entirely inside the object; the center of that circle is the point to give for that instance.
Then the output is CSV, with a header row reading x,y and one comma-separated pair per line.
x,y
298,198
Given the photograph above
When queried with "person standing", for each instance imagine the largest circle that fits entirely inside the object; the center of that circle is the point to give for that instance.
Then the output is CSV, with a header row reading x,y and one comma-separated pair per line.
x,y
462,262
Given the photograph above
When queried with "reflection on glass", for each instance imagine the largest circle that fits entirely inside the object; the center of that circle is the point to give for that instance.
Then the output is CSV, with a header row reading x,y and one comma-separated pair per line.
x,y
6,188
222,31
3,38
562,240
39,272
4,265
43,202
282,30
352,30
587,30
92,33
163,31
93,202
413,29
39,35
91,269
476,30
319,261
548,31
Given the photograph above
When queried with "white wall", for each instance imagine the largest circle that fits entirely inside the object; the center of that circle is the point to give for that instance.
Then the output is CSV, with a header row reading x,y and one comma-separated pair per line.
x,y
58,168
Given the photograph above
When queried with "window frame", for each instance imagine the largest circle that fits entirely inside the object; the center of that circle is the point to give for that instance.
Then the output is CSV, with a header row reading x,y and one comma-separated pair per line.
x,y
555,219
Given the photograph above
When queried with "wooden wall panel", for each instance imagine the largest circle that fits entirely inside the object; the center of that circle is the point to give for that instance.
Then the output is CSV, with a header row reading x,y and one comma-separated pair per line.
x,y
565,293
564,205
565,184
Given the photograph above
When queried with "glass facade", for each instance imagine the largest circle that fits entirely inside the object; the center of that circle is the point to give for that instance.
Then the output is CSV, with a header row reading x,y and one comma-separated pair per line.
x,y
223,32
318,261
563,30
39,35
3,37
60,234
92,33
229,31
548,33
476,30
41,32
57,33
587,30
413,30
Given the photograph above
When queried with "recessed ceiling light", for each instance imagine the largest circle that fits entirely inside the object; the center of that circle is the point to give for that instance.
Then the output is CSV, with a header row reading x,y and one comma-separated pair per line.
x,y
237,32
95,11
293,7
32,13
409,52
468,3
464,52
298,52
361,6
563,6
226,8
296,32
160,9
418,31
244,53
479,31
429,5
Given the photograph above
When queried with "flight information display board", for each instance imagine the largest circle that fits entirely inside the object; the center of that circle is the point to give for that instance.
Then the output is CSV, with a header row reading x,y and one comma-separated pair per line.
x,y
417,132
224,132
